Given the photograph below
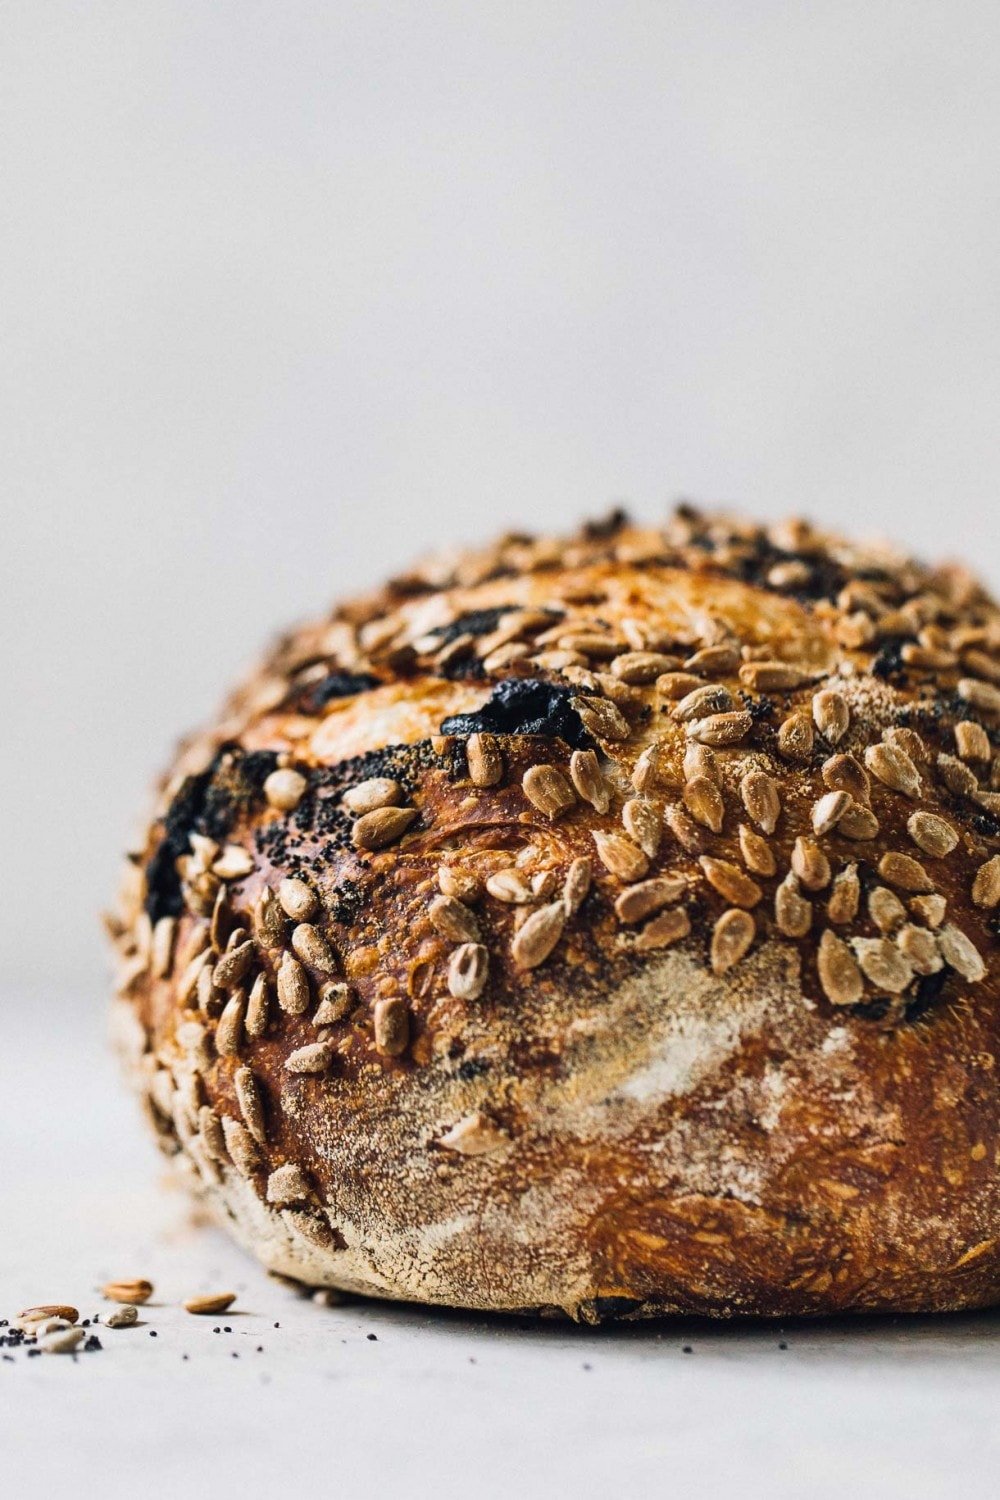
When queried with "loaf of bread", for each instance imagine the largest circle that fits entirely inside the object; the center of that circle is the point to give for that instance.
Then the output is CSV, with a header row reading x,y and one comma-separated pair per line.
x,y
604,925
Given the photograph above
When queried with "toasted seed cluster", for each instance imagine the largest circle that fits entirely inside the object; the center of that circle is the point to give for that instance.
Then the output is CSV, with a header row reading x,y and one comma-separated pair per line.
x,y
609,776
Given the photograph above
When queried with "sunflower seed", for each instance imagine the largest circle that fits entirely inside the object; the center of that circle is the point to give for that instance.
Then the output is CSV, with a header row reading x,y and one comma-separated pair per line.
x,y
957,776
63,1341
642,666
536,937
482,752
905,873
371,795
647,770
795,737
249,1101
703,801
474,1135
510,886
731,938
312,948
576,885
810,864
62,1311
971,740
919,948
792,913
233,966
601,719
210,1130
700,760
284,789
258,1005
233,863
857,822
620,856
839,975
982,695
669,927
883,964
757,853
772,676
268,920
218,1302
547,789
468,970
929,909
961,954
298,900
721,659
676,685
932,834
590,784
287,1184
644,824
314,1057
885,909
831,715
135,1292
705,700
730,881
986,885
640,901
894,769
453,920
721,729
828,810
759,792
842,773
229,1030
392,1026
336,1001
292,986
682,828
384,826
842,906
162,952
122,1317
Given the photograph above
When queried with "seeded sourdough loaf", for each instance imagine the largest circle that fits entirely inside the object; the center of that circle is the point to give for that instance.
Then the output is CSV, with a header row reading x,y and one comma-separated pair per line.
x,y
606,925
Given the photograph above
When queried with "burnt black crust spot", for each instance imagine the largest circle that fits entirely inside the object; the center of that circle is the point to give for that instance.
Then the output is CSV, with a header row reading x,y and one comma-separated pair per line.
x,y
320,826
313,697
608,1309
888,663
872,1010
927,992
473,622
525,705
209,803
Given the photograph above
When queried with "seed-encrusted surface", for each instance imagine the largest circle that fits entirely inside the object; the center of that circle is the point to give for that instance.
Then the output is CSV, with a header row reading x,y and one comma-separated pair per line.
x,y
613,845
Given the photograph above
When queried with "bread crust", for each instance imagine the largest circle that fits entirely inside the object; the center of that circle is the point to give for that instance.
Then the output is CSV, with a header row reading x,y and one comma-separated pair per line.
x,y
721,1039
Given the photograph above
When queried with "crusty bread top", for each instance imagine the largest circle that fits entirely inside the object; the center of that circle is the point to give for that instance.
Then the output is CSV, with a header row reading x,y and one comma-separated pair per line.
x,y
516,777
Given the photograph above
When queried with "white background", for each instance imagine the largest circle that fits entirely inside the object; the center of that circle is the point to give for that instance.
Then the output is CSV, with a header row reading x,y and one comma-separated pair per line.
x,y
290,292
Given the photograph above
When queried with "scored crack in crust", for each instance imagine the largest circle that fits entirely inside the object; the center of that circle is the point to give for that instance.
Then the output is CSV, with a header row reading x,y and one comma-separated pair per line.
x,y
604,925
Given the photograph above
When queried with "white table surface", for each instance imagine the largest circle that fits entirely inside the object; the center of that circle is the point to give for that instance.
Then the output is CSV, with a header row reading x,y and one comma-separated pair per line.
x,y
436,1404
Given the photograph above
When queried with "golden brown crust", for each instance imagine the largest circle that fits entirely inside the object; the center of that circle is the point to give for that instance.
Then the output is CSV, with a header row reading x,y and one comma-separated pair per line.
x,y
606,924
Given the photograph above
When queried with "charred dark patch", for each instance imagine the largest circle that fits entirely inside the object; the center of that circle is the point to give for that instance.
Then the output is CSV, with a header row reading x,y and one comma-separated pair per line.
x,y
525,705
610,1308
927,992
313,697
824,578
320,826
872,1010
209,803
887,662
606,526
473,622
